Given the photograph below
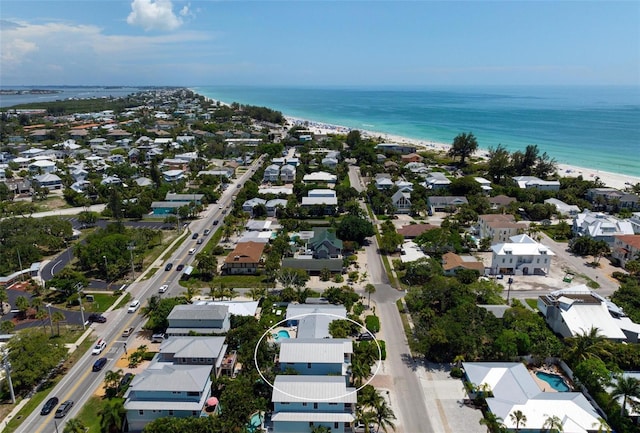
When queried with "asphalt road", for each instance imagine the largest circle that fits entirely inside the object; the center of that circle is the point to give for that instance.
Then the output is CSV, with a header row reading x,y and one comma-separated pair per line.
x,y
81,382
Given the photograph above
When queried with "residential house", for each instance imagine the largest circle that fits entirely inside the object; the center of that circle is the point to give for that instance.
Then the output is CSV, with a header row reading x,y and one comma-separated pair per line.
x,y
403,149
512,388
576,310
324,244
401,200
173,175
42,166
244,259
313,320
311,356
320,177
532,182
436,180
273,205
271,173
194,351
383,181
445,203
612,199
625,248
411,157
288,173
166,207
410,252
248,205
49,180
412,231
302,402
322,197
563,209
498,227
417,167
330,162
184,198
500,201
521,256
199,319
167,390
452,263
484,184
600,227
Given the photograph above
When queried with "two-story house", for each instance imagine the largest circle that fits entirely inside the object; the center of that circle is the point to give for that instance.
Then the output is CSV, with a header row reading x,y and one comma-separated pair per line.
x,y
521,256
324,244
311,356
198,319
499,227
271,173
625,248
288,173
601,227
532,182
301,402
194,351
401,200
244,259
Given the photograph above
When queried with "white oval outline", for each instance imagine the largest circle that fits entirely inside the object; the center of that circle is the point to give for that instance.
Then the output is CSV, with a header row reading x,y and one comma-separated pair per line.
x,y
268,331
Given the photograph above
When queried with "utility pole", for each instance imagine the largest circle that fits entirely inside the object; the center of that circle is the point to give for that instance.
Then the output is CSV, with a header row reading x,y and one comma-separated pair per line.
x,y
131,247
20,264
50,318
7,369
510,282
79,289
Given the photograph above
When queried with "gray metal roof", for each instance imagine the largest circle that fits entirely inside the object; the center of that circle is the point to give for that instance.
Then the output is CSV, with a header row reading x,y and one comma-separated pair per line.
x,y
194,347
162,376
313,416
295,388
314,350
199,312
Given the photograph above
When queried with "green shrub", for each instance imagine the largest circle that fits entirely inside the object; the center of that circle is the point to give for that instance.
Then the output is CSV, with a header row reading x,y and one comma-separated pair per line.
x,y
372,323
358,309
383,349
456,372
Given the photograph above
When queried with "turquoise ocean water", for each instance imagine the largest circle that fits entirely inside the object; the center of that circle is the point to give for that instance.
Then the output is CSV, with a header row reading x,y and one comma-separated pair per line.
x,y
590,127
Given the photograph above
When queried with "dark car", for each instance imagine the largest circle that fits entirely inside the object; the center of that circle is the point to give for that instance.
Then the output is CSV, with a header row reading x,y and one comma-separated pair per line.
x,y
168,267
200,241
99,364
97,318
180,267
64,408
365,336
215,223
49,406
195,236
125,381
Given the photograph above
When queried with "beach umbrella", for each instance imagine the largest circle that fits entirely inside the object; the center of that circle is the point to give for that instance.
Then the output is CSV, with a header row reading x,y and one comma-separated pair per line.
x,y
212,401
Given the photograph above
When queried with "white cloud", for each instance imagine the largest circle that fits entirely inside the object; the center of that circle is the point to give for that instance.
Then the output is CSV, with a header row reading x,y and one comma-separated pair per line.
x,y
156,15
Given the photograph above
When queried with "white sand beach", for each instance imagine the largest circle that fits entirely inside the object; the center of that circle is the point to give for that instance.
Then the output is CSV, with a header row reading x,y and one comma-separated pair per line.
x,y
612,180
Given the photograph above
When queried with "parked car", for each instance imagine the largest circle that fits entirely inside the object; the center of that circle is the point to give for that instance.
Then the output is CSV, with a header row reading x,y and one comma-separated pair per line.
x,y
180,267
125,381
365,336
133,306
49,406
215,222
127,332
195,236
64,409
99,364
168,267
163,288
99,318
99,347
158,338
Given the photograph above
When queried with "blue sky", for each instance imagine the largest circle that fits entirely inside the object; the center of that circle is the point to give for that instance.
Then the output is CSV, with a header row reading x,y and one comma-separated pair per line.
x,y
324,43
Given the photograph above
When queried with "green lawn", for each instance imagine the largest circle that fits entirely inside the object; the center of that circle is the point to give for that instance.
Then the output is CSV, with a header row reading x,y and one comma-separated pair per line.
x,y
101,301
533,303
89,413
124,301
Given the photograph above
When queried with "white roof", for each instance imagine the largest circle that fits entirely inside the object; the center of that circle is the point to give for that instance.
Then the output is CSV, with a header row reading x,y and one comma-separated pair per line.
x,y
194,347
411,252
237,308
297,388
514,389
314,350
522,245
310,201
580,318
276,190
313,416
320,176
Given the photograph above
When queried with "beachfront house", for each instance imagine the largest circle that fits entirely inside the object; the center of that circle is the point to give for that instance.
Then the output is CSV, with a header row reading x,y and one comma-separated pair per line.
x,y
310,356
611,199
563,209
600,226
532,182
521,256
303,402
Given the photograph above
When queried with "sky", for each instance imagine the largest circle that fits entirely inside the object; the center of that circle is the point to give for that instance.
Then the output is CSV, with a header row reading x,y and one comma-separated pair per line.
x,y
319,43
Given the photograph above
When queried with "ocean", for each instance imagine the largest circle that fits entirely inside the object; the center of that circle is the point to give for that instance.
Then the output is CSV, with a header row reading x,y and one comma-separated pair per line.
x,y
591,127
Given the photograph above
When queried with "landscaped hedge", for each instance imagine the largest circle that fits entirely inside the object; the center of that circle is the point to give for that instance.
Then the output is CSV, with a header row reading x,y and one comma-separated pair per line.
x,y
372,323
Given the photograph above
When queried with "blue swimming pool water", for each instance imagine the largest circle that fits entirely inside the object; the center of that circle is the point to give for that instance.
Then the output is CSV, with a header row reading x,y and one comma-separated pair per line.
x,y
554,380
255,422
281,335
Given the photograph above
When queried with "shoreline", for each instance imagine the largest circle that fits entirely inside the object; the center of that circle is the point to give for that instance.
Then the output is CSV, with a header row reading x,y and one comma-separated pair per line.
x,y
610,179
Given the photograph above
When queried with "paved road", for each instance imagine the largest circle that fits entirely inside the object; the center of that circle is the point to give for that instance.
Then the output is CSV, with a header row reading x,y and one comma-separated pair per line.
x,y
81,382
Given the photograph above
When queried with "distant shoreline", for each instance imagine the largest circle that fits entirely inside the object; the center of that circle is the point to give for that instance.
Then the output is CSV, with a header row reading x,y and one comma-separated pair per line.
x,y
610,179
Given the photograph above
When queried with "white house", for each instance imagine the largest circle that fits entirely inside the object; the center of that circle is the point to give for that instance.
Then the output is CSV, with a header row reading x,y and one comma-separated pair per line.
x,y
401,200
320,177
199,319
173,175
436,180
601,227
528,182
288,173
521,256
563,208
326,197
271,173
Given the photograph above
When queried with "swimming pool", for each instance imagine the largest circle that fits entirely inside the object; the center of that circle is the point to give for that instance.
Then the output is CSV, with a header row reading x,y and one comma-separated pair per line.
x,y
556,382
255,423
281,335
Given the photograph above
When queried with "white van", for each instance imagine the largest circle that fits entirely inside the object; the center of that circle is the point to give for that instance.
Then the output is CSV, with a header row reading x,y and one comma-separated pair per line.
x,y
192,251
133,307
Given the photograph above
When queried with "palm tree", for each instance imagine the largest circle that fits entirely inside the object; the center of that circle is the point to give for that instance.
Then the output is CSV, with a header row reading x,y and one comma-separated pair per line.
x,y
589,344
190,293
553,423
518,418
42,316
369,289
74,425
384,416
627,388
492,421
602,425
112,380
366,418
112,417
359,372
257,293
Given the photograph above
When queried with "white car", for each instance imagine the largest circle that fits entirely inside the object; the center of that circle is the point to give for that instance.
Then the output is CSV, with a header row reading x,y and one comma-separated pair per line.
x,y
133,307
163,288
99,347
192,251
